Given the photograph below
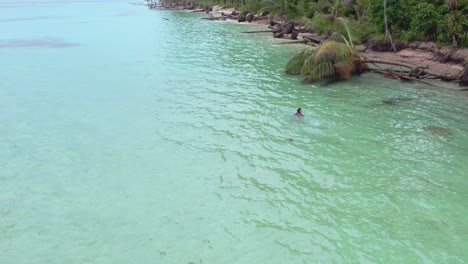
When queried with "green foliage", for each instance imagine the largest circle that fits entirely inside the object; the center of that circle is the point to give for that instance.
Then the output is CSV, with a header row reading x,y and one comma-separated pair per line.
x,y
343,22
269,6
423,23
321,23
252,6
338,37
349,8
355,31
421,20
324,6
361,30
408,35
395,13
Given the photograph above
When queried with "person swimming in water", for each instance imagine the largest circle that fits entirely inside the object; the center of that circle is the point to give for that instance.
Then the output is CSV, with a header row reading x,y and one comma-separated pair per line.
x,y
299,114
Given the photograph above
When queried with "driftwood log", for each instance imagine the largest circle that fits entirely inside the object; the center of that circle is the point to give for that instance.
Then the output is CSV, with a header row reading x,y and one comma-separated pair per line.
x,y
413,73
313,39
259,31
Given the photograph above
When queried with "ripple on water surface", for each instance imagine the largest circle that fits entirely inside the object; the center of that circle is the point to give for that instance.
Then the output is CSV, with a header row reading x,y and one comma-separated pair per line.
x,y
172,140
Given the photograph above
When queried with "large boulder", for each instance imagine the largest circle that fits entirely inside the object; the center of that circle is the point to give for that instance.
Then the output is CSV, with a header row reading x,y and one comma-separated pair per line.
x,y
249,17
288,28
272,22
278,35
464,76
241,18
276,28
294,34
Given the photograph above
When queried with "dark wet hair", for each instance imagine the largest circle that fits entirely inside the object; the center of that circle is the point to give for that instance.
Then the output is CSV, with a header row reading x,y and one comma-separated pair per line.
x,y
299,109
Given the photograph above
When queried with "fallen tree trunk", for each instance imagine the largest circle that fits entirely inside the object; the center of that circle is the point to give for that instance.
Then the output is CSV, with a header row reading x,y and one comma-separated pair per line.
x,y
388,62
258,31
291,42
420,71
394,75
313,39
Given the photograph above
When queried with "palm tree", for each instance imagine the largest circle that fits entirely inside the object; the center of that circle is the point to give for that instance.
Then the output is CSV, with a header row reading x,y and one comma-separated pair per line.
x,y
335,9
331,59
387,31
452,4
334,58
341,60
454,21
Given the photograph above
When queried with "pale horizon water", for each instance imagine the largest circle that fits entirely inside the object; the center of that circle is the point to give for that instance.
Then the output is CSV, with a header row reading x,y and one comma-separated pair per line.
x,y
130,135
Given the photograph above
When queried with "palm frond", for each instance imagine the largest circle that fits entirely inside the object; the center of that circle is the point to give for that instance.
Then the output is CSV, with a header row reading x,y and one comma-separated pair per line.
x,y
347,31
308,65
294,66
334,51
322,70
338,37
328,60
344,69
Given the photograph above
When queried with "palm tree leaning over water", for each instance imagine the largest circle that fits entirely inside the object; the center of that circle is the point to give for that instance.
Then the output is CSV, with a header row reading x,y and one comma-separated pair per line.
x,y
333,58
330,59
341,60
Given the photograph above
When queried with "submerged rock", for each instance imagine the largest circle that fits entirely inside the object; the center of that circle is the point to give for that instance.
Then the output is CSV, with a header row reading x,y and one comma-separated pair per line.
x,y
395,101
436,130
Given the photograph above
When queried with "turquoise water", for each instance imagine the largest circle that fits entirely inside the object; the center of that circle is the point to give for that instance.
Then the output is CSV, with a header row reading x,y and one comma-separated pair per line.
x,y
130,135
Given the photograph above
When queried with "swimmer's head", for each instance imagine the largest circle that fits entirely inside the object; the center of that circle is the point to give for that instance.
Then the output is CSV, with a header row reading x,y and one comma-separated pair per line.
x,y
299,110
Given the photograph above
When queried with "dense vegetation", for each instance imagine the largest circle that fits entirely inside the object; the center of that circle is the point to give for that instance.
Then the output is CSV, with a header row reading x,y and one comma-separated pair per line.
x,y
443,21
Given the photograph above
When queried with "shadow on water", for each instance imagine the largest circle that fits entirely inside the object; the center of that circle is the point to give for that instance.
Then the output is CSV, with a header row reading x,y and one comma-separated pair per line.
x,y
42,42
397,100
323,82
437,130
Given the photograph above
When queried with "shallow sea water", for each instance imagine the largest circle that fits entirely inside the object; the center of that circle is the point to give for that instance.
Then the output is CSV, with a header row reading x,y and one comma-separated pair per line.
x,y
130,135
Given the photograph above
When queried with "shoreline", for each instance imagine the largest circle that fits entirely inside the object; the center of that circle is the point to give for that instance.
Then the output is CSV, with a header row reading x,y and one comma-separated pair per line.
x,y
445,61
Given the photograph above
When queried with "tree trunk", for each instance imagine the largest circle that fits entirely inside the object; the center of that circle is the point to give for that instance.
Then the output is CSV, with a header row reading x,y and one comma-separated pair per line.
x,y
336,8
388,62
406,65
455,41
387,31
